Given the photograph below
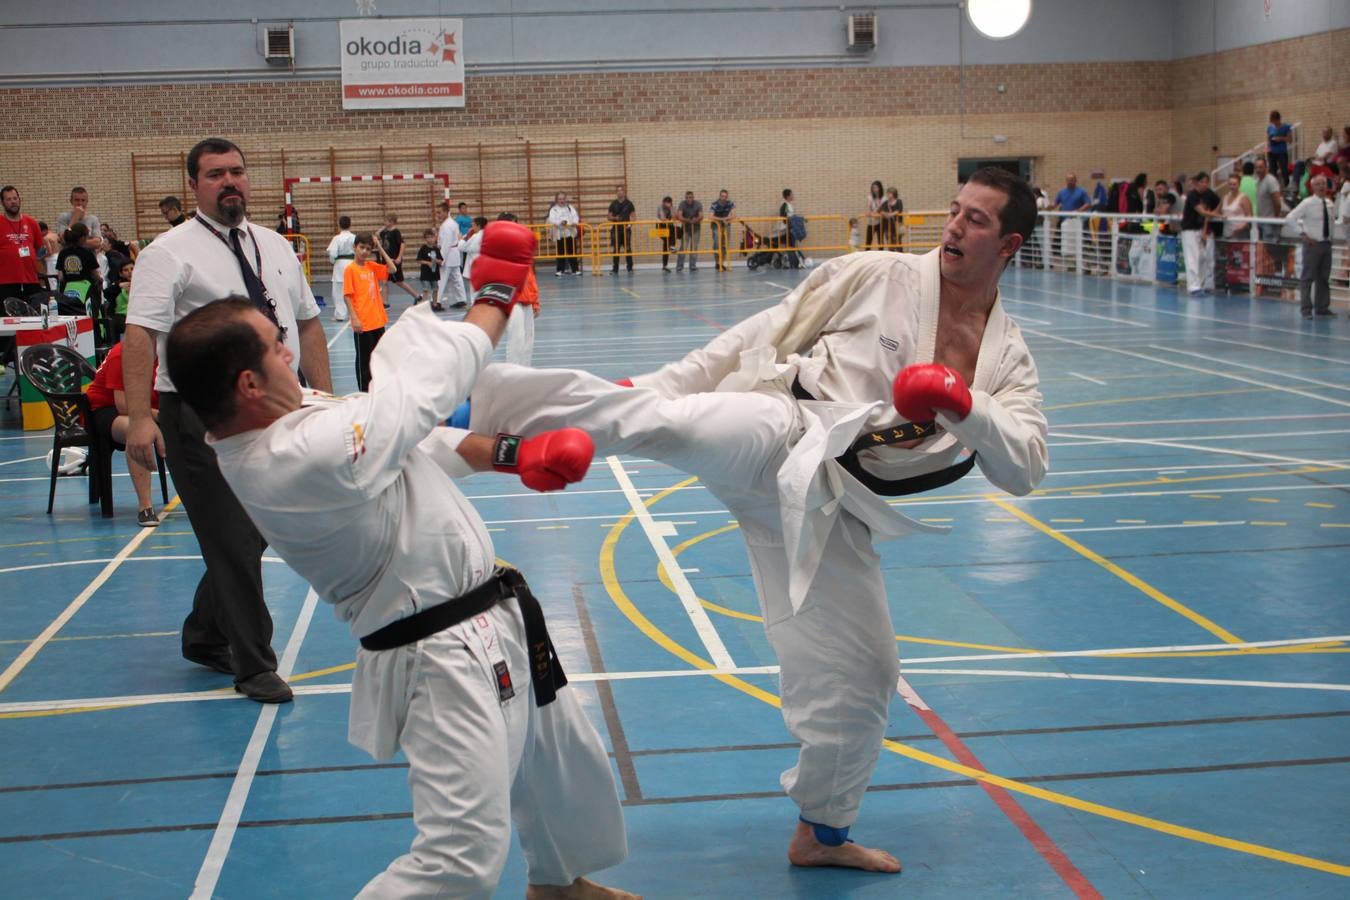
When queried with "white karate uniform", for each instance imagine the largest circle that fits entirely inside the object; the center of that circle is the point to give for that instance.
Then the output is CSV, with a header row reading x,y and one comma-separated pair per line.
x,y
519,336
1199,255
452,283
726,413
356,495
343,244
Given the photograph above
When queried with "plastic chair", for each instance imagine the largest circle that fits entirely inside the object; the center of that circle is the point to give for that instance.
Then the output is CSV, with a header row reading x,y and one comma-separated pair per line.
x,y
14,306
59,373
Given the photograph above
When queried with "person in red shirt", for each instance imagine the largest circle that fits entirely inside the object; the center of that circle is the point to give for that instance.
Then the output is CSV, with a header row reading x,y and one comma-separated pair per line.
x,y
20,243
108,402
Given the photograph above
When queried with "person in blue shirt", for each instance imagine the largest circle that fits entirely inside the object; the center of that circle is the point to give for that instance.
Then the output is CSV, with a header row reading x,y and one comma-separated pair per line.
x,y
1278,137
465,223
1071,198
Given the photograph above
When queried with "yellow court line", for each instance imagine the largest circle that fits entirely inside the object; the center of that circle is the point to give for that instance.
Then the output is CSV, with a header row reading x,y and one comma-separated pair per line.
x,y
1130,579
634,294
319,673
609,577
1157,397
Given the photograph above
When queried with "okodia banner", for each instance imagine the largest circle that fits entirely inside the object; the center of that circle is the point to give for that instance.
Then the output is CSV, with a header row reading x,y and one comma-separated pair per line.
x,y
402,63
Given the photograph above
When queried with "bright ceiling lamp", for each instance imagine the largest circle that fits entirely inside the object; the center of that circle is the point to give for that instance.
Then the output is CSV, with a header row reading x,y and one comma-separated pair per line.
x,y
998,19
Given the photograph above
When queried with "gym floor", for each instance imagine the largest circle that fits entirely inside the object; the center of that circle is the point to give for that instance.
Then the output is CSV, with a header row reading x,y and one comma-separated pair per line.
x,y
1132,683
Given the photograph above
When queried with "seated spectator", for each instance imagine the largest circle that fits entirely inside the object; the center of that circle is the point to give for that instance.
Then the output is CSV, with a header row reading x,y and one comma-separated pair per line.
x,y
117,293
1327,150
108,402
77,268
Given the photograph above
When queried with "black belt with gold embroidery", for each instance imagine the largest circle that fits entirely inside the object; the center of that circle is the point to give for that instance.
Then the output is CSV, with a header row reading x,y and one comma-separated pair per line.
x,y
546,672
905,431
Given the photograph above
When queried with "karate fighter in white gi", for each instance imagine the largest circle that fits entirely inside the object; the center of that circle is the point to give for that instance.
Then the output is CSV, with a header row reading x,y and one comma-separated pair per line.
x,y
790,418
456,668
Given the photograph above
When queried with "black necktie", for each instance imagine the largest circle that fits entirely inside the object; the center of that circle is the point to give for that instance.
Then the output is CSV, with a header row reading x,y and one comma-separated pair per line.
x,y
251,282
1326,220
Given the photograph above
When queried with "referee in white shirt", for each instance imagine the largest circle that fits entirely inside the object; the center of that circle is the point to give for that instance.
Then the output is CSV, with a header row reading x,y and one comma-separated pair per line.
x,y
1312,219
218,254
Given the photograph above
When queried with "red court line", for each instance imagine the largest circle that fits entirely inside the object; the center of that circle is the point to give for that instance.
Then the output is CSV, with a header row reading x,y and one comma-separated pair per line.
x,y
1045,846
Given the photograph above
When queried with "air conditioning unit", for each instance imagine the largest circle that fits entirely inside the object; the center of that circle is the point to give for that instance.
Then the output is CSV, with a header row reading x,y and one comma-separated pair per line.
x,y
279,44
862,31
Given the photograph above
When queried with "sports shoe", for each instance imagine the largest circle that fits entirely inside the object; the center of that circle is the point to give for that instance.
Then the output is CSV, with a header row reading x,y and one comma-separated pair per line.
x,y
458,304
265,687
557,274
146,518
437,306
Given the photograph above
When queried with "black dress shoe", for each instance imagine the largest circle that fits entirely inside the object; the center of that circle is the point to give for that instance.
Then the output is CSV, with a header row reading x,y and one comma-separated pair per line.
x,y
216,659
1307,315
265,687
1324,312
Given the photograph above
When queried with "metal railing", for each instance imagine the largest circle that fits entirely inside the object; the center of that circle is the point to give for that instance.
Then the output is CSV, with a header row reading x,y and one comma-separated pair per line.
x,y
1262,259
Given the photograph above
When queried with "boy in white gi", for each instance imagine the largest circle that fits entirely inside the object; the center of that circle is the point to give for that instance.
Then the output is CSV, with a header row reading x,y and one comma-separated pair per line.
x,y
783,417
341,252
456,668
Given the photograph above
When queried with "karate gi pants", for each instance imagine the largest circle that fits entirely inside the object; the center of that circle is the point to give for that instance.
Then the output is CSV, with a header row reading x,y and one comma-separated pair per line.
x,y
519,339
339,299
476,764
1199,255
452,285
1070,241
837,654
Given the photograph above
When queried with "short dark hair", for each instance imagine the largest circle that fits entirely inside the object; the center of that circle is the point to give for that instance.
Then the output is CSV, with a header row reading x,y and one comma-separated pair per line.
x,y
461,204
507,217
787,192
1274,114
75,234
1018,215
344,221
78,190
207,351
1248,168
364,237
667,199
1200,175
7,188
171,201
428,232
214,146
480,221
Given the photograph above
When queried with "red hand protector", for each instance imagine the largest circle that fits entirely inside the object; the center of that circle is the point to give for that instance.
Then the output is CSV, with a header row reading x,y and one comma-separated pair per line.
x,y
546,462
922,390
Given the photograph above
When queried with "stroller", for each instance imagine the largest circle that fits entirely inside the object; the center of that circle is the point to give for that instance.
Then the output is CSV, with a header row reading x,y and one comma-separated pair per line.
x,y
765,250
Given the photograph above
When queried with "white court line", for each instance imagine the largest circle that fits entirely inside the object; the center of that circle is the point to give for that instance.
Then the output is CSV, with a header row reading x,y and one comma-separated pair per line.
x,y
26,656
1074,312
1250,454
1256,435
1115,651
698,616
1215,359
14,462
209,873
1179,365
1141,422
89,562
1151,527
1072,676
777,285
1267,349
1087,378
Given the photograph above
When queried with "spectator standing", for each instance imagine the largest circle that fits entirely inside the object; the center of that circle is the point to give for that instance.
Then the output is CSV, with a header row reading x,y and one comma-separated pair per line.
x,y
668,230
219,253
1101,204
721,210
787,211
1311,220
690,215
1234,256
1071,198
1269,205
892,213
391,241
1248,184
361,286
562,221
462,218
1197,240
21,245
429,261
341,252
621,211
79,213
876,198
1278,136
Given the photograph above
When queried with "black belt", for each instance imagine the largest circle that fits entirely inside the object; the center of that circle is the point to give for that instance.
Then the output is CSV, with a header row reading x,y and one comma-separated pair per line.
x,y
344,256
905,431
546,671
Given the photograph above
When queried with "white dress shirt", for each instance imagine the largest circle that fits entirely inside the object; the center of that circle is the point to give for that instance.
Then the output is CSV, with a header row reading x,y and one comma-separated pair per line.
x,y
1307,218
189,267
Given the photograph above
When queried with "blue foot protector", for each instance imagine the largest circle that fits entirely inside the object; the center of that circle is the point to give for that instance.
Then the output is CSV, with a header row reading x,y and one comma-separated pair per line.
x,y
830,837
460,417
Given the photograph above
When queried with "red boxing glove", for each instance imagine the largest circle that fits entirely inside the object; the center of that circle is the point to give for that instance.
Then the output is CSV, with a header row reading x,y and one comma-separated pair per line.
x,y
923,390
505,258
547,462
624,382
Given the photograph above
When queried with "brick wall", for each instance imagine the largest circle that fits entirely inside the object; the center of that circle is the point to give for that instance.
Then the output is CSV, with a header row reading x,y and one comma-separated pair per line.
x,y
824,132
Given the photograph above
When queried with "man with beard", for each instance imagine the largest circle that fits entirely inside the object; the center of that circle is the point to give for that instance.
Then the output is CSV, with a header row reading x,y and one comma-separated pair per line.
x,y
216,254
20,246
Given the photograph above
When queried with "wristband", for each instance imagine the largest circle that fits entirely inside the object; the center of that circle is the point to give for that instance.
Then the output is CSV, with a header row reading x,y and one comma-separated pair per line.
x,y
506,451
496,294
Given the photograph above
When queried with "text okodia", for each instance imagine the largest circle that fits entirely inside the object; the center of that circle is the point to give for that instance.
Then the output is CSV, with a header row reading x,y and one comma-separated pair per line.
x,y
399,45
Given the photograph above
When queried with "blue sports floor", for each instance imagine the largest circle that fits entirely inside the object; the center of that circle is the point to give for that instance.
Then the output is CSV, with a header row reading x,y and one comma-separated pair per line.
x,y
1133,683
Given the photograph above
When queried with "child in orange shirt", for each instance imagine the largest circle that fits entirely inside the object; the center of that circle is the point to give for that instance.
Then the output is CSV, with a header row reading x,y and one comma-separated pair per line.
x,y
361,287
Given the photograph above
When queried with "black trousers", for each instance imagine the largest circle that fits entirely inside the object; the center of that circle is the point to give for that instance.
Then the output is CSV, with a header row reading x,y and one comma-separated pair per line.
x,y
228,609
365,345
567,254
621,241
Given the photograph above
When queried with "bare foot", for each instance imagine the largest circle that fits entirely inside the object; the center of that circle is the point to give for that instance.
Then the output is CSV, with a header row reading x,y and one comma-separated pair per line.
x,y
805,850
581,889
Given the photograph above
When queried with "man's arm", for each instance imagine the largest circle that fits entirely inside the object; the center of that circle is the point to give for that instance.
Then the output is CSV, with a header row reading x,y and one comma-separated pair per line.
x,y
138,361
314,355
